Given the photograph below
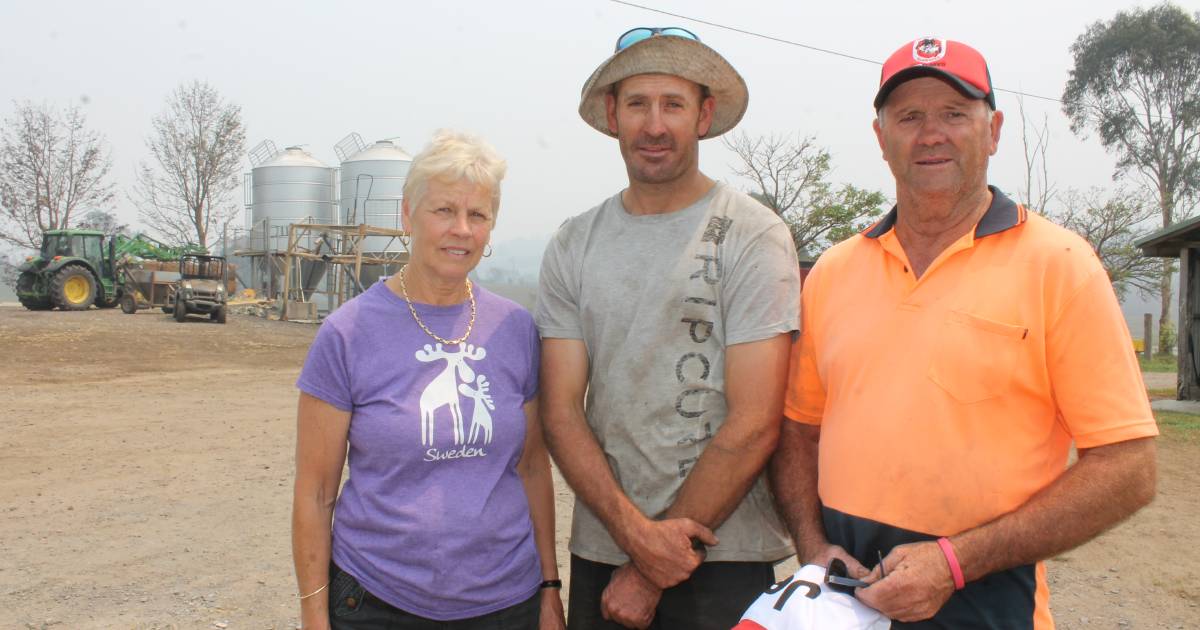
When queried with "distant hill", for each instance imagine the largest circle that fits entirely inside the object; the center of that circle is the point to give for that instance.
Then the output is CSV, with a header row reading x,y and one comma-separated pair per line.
x,y
513,262
512,269
523,294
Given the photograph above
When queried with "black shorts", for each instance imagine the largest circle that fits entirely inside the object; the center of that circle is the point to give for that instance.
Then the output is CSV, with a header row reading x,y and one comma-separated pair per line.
x,y
715,596
352,607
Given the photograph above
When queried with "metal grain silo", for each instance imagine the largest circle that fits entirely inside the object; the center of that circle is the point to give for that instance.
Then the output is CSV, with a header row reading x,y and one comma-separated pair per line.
x,y
286,187
372,186
290,187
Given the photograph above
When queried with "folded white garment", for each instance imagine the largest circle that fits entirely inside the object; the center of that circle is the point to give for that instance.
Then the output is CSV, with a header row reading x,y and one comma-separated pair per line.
x,y
805,602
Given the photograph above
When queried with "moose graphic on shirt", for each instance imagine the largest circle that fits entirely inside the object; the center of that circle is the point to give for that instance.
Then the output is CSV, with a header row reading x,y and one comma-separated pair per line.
x,y
480,417
443,391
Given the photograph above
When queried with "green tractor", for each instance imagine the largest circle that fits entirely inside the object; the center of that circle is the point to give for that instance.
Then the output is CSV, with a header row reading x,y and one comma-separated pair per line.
x,y
71,272
78,268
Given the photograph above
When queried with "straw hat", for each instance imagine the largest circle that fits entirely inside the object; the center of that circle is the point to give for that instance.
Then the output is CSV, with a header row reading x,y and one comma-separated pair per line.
x,y
677,56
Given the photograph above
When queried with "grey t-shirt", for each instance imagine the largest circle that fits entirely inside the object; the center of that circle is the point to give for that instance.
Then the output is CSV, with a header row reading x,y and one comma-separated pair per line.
x,y
656,300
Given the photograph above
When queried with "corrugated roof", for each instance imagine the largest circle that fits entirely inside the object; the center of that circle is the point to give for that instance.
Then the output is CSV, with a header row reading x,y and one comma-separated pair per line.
x,y
1167,242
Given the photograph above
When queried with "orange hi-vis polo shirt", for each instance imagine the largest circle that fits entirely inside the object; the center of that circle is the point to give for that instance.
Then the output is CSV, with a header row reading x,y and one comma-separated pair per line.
x,y
949,400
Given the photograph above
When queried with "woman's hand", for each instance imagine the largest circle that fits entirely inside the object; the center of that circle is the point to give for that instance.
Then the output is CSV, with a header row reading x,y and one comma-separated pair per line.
x,y
552,617
314,617
320,455
534,469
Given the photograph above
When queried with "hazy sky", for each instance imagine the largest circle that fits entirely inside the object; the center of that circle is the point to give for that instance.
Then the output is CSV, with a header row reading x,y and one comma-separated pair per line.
x,y
309,73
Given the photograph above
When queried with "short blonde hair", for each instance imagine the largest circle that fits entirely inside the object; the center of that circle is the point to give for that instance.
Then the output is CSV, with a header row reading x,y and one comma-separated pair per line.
x,y
453,156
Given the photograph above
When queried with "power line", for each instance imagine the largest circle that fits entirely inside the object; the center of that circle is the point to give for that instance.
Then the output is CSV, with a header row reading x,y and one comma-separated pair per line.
x,y
825,50
750,33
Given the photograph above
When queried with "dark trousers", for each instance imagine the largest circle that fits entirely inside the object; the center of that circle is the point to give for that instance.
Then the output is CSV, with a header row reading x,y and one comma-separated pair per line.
x,y
715,596
352,607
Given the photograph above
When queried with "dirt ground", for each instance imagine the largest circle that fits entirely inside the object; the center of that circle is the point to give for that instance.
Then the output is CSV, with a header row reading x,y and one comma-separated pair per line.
x,y
147,471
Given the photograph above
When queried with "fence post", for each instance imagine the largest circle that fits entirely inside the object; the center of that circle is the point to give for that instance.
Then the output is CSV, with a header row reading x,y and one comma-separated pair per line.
x,y
1147,340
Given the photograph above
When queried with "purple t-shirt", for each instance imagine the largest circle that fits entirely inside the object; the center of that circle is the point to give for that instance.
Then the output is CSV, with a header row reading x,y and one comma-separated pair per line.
x,y
433,518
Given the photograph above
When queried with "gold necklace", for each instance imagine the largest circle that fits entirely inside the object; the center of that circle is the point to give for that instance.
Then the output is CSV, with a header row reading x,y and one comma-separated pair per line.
x,y
411,309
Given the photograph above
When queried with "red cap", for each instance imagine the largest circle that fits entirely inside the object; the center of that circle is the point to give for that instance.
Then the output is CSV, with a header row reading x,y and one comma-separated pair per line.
x,y
954,62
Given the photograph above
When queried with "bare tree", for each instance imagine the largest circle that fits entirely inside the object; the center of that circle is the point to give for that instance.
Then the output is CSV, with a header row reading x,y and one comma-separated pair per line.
x,y
197,146
51,165
1035,139
1111,222
790,176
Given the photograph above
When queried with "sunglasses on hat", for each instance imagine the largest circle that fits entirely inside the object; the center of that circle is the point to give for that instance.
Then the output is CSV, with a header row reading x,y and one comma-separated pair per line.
x,y
635,35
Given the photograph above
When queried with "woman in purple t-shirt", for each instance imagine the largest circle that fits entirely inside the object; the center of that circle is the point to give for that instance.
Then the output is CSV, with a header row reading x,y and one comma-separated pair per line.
x,y
447,516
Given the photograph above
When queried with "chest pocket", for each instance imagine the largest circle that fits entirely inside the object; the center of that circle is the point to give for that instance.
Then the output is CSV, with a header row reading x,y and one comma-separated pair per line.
x,y
975,358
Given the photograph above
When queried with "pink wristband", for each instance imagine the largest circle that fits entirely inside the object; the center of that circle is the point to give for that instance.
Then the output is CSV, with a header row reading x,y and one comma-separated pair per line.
x,y
952,560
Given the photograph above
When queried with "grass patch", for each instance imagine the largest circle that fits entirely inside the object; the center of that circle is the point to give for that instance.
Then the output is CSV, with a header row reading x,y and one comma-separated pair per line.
x,y
1183,426
1160,363
1159,394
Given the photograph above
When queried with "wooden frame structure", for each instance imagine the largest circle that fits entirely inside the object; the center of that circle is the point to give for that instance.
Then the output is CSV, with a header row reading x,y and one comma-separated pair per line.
x,y
335,249
1182,241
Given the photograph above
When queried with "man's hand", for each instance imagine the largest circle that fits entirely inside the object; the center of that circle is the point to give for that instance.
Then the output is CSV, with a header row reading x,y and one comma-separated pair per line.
x,y
917,585
824,555
662,550
629,599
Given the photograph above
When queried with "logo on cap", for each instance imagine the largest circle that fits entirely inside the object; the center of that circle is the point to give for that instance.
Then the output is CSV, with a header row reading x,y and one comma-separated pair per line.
x,y
928,50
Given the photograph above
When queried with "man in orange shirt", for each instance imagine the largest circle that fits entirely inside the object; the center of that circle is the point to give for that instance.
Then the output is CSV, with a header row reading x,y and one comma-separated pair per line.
x,y
949,355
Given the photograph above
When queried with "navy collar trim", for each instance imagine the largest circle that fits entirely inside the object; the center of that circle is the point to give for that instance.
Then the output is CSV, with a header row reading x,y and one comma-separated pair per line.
x,y
1003,214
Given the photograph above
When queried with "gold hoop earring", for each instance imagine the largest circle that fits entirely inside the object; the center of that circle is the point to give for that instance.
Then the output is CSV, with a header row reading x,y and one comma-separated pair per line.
x,y
487,250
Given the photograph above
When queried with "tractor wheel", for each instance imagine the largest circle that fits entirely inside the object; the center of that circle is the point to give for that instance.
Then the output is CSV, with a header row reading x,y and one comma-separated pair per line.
x,y
128,304
26,283
218,315
73,288
181,310
107,301
35,304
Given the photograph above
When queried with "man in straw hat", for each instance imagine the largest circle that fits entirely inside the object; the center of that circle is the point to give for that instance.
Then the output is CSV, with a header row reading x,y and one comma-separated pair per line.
x,y
670,308
950,354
